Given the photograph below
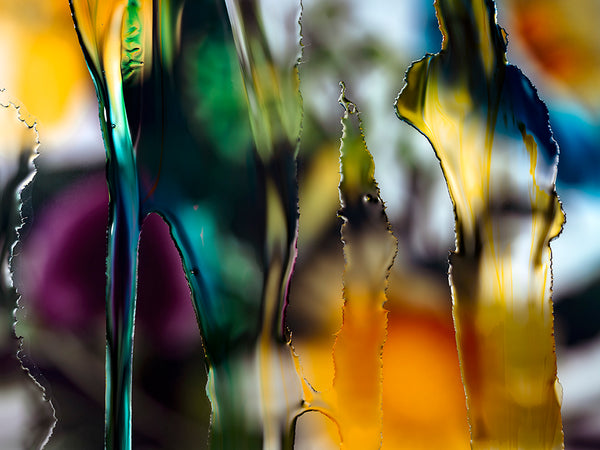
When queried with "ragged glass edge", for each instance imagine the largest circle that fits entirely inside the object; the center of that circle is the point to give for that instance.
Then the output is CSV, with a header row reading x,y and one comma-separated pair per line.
x,y
336,403
23,184
354,401
513,394
312,400
369,252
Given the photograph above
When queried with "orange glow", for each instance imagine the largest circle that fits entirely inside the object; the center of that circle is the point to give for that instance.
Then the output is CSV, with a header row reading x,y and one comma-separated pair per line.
x,y
423,397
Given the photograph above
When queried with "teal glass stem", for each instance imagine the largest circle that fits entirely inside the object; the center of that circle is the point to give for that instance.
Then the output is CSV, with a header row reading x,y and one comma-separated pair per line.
x,y
124,226
230,202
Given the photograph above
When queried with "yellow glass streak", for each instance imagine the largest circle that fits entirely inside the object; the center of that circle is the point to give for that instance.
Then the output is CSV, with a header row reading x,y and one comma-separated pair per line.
x,y
319,190
501,271
274,361
131,40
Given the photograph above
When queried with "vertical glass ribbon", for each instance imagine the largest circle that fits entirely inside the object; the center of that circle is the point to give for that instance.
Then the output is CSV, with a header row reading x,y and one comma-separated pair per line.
x,y
369,251
114,36
274,104
490,132
230,201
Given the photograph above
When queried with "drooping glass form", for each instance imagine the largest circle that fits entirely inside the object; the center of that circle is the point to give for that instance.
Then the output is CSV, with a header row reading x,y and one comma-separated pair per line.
x,y
491,134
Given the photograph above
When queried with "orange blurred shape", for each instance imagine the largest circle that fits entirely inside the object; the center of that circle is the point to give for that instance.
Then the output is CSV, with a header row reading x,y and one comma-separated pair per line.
x,y
562,37
357,383
423,397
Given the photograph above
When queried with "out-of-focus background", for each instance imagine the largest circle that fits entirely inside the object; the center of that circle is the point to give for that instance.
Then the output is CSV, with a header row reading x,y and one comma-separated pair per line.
x,y
60,262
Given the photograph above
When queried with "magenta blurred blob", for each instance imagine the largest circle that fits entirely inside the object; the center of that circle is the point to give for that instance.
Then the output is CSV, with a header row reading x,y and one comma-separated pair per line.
x,y
65,251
